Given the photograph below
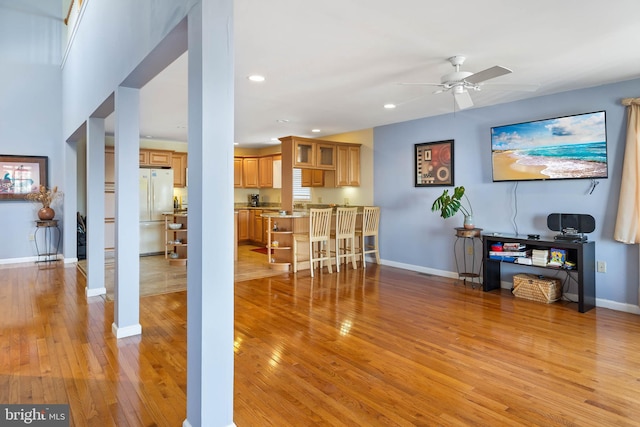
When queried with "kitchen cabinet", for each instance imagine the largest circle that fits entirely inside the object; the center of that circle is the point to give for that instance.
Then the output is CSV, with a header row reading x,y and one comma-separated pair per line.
x,y
265,172
250,177
237,172
255,226
325,156
179,166
156,158
312,178
313,154
243,225
348,165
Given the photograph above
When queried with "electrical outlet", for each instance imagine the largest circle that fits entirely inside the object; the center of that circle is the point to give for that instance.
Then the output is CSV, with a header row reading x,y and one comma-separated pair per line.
x,y
31,237
601,266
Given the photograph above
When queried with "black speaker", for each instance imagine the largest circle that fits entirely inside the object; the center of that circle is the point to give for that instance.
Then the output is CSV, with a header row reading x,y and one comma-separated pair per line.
x,y
581,223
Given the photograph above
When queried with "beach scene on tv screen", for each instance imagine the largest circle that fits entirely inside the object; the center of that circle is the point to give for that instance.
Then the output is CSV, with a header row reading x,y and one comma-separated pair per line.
x,y
559,148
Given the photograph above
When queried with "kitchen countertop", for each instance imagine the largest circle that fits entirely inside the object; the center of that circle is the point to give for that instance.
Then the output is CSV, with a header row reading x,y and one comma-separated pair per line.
x,y
301,214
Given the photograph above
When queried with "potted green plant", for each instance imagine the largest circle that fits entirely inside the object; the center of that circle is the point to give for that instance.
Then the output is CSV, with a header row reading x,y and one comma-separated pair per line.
x,y
449,205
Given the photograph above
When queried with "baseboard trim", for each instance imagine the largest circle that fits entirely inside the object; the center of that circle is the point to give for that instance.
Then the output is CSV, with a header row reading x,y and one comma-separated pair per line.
x,y
127,331
94,292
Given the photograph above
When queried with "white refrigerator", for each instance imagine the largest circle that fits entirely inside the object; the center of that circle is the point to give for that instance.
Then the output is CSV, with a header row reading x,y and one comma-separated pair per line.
x,y
156,198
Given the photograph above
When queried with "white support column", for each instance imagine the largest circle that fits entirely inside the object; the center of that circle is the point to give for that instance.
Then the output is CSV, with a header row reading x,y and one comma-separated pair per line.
x,y
95,207
210,268
127,240
69,239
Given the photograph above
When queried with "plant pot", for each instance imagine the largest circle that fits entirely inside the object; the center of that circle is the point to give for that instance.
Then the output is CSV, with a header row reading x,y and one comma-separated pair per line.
x,y
46,214
468,222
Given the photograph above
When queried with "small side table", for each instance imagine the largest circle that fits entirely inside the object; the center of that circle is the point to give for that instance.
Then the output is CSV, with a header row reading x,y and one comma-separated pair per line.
x,y
470,242
48,251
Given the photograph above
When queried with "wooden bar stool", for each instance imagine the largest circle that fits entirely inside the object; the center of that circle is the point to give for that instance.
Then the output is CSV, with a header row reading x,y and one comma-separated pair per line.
x,y
319,238
370,223
344,236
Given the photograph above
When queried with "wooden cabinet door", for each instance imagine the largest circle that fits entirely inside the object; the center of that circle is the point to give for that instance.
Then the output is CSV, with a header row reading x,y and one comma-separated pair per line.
x,y
325,156
250,172
304,153
348,166
160,158
179,166
312,178
265,170
144,158
255,225
354,166
237,172
243,224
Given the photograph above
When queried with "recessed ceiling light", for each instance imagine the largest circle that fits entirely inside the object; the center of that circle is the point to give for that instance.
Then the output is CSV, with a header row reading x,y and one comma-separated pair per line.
x,y
275,139
389,106
282,121
256,78
235,143
315,130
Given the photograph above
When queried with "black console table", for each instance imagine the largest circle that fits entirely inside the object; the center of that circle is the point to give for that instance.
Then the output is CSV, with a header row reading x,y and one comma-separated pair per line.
x,y
583,253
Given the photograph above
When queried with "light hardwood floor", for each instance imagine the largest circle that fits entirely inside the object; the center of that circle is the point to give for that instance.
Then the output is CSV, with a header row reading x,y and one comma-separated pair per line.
x,y
357,348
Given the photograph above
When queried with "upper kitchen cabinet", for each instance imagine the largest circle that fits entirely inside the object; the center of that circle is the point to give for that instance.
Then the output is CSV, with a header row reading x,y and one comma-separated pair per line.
x,y
237,172
250,177
310,153
265,172
179,166
156,158
257,172
348,168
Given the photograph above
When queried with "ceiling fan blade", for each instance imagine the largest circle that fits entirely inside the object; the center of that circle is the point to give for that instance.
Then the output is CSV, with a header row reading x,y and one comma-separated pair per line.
x,y
463,100
512,86
421,84
489,73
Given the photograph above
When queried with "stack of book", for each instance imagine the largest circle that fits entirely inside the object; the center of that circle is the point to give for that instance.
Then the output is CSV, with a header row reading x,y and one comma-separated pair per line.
x,y
511,252
540,257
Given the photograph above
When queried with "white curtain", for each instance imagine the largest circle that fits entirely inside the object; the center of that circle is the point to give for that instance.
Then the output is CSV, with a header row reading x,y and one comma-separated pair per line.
x,y
628,221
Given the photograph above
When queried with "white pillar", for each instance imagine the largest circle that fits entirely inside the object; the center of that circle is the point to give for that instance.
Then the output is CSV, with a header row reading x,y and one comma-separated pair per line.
x,y
95,207
70,205
210,233
127,238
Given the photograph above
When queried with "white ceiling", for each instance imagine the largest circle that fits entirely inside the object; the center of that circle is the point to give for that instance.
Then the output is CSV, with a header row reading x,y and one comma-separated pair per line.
x,y
333,64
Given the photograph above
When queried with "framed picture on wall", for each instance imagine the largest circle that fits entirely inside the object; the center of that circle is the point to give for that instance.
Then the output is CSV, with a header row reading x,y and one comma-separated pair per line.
x,y
434,164
21,175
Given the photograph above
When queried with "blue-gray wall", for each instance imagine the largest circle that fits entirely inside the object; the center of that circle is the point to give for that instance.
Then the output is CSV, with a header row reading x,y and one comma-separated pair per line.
x,y
30,107
414,237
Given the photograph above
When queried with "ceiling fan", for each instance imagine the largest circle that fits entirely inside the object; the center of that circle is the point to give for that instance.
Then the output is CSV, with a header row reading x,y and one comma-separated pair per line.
x,y
461,82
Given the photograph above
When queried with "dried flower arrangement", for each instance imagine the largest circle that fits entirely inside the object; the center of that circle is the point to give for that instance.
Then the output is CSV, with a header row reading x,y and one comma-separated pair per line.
x,y
45,196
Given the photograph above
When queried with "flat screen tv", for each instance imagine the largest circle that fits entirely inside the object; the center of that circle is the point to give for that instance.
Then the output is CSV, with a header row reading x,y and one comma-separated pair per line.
x,y
569,147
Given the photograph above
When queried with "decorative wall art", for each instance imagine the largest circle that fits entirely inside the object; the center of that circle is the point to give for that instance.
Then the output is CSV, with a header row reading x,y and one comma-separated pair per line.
x,y
21,175
434,164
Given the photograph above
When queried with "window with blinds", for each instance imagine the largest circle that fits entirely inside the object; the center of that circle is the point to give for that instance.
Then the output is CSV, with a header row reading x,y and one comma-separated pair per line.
x,y
300,192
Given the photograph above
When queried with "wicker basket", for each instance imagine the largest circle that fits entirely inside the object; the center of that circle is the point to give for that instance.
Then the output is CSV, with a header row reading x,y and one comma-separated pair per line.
x,y
537,288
